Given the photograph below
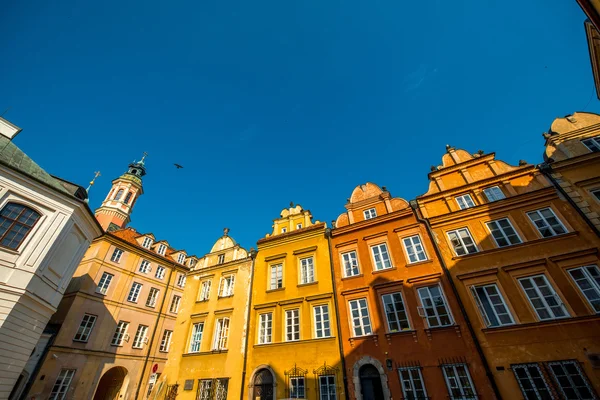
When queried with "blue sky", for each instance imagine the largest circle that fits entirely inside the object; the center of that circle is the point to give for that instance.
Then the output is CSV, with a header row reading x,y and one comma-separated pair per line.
x,y
269,102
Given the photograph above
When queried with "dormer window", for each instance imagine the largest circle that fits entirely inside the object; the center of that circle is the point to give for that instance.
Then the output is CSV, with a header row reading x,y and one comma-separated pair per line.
x,y
147,243
370,213
465,201
181,259
221,259
593,144
283,230
192,263
161,249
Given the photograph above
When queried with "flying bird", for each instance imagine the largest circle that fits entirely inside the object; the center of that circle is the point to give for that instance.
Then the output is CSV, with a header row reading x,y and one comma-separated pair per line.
x,y
178,166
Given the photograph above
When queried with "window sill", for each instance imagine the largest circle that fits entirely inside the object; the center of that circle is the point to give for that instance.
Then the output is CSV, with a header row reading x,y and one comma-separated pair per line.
x,y
204,353
149,306
307,284
419,263
100,293
352,277
202,301
408,332
542,324
382,271
452,327
80,341
294,342
224,297
275,290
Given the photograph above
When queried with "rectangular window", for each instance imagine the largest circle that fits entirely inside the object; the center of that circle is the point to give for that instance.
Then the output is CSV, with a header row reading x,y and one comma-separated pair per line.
x,y
361,322
221,259
152,297
160,272
116,255
350,262
61,385
298,226
140,337
491,305
381,257
434,306
104,283
181,280
370,213
543,298
204,389
221,334
462,242
297,387
283,230
134,293
494,193
165,342
162,249
226,286
181,259
503,232
458,381
322,325
414,249
532,382
85,328
221,388
327,389
174,308
307,270
395,313
588,280
593,144
596,194
464,201
292,325
276,276
546,222
205,290
571,380
196,337
147,242
265,328
120,333
412,383
145,267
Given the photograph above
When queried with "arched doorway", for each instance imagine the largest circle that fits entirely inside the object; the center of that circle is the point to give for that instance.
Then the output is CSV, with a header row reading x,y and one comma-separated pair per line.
x,y
370,383
263,385
112,384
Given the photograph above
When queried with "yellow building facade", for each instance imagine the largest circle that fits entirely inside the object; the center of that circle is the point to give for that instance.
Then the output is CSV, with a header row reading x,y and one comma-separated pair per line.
x,y
293,349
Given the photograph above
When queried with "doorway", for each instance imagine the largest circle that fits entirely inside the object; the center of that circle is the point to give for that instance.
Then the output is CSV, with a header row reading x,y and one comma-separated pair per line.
x,y
112,383
263,385
370,383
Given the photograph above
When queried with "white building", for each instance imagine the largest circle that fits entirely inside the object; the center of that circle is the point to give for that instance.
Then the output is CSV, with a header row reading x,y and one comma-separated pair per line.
x,y
45,228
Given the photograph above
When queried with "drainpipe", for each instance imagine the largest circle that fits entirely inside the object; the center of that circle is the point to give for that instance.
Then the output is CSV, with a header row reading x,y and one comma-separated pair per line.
x,y
546,170
337,314
151,342
463,311
253,255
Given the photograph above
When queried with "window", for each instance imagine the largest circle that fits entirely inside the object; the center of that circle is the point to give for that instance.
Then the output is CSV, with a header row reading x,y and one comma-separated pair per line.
x,y
16,221
196,337
412,383
221,259
162,249
434,306
152,297
543,298
226,286
128,197
494,193
322,326
204,389
395,313
140,337
276,276
165,342
265,328
593,144
204,291
370,213
174,308
181,280
85,328
147,243
292,325
381,257
491,305
350,262
104,283
570,380
119,194
414,249
145,267
134,293
596,194
503,232
532,382
160,272
192,263
221,334
181,259
283,230
221,388
327,389
546,222
307,270
462,242
116,255
361,323
297,387
120,333
298,226
458,382
464,201
588,280
59,390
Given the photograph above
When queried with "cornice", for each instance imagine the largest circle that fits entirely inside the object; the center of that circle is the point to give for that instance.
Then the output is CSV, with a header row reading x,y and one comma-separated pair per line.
x,y
381,219
457,167
292,237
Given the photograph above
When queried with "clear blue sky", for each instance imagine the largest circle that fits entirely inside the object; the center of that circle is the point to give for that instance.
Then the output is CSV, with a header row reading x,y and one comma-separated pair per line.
x,y
267,102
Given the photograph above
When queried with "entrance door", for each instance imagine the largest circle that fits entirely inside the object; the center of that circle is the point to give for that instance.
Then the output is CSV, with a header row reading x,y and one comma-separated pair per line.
x,y
110,384
263,385
370,383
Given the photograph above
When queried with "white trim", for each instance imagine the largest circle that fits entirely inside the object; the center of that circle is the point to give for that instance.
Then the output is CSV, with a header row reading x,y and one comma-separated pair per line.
x,y
482,310
361,316
501,230
543,300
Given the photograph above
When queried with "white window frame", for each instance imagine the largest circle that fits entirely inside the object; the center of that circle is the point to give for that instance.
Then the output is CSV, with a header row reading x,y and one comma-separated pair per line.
x,y
292,329
276,276
295,392
147,243
532,381
307,270
543,299
454,382
265,328
104,283
181,258
175,303
181,279
465,201
226,285
140,337
221,259
358,323
379,261
413,247
409,384
85,328
544,220
153,294
350,263
134,292
322,321
165,342
160,272
61,384
395,312
464,246
120,333
593,284
205,287
569,378
491,306
145,267
298,226
494,226
221,336
423,309
196,337
593,144
370,213
328,395
205,387
116,255
283,230
162,249
494,193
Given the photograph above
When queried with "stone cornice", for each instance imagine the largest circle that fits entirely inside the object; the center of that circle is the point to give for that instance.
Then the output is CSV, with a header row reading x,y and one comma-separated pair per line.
x,y
381,219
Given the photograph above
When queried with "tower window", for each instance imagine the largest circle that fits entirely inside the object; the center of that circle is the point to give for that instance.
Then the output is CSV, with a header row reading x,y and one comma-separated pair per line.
x,y
16,221
128,197
119,194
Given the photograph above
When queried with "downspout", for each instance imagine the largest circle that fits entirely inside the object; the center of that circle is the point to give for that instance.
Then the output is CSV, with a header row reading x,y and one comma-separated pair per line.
x,y
151,342
546,170
253,255
463,311
337,314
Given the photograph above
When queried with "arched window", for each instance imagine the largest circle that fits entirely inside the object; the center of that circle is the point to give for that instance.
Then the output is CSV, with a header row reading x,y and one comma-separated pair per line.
x,y
119,194
16,221
128,197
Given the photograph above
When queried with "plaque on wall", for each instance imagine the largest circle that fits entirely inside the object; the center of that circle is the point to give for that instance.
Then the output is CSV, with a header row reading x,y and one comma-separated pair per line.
x,y
189,384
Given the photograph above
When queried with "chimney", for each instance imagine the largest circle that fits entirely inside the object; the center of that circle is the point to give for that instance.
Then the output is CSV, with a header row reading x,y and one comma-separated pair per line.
x,y
8,130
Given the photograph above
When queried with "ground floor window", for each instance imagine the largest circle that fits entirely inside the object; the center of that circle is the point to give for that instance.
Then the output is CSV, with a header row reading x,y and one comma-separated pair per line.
x,y
61,385
327,389
532,382
458,381
413,386
296,382
571,380
212,389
